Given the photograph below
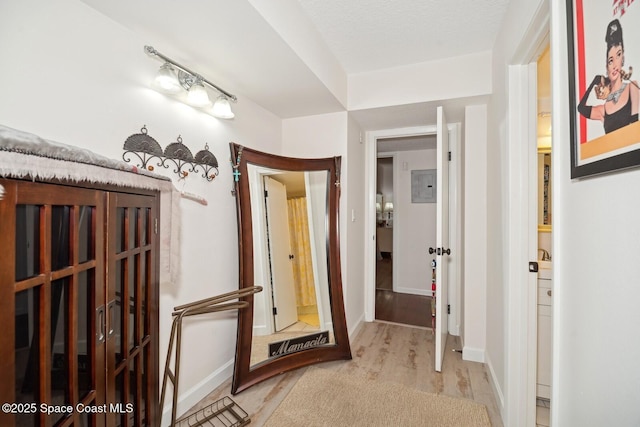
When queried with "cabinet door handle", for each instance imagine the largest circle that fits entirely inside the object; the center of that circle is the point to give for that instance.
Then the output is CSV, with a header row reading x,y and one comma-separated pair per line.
x,y
100,325
549,292
111,317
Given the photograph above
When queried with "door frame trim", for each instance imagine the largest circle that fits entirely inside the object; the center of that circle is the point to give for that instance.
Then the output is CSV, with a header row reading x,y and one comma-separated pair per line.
x,y
521,301
455,217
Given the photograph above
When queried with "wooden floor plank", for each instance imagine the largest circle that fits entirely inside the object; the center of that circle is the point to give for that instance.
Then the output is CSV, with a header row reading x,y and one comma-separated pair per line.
x,y
383,352
398,307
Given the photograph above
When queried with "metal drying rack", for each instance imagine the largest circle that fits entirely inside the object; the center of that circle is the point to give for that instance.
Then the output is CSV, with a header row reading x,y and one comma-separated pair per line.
x,y
223,412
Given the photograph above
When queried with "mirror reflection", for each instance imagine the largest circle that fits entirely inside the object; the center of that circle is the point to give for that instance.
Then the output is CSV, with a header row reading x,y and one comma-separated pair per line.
x,y
290,259
289,244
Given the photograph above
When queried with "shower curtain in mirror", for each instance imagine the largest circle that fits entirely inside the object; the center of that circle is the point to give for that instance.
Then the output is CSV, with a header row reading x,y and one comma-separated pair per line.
x,y
302,263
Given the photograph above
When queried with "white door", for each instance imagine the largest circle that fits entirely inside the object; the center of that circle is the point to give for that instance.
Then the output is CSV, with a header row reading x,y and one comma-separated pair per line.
x,y
442,237
285,312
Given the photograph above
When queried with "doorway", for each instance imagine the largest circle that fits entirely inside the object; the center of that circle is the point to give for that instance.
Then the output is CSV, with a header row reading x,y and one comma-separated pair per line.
x,y
545,218
401,295
454,263
384,223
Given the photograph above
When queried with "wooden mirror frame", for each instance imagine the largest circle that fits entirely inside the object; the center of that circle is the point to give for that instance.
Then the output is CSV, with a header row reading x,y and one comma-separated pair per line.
x,y
243,375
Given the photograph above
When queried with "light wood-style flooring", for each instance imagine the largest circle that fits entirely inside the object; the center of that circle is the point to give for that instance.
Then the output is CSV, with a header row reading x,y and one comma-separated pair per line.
x,y
383,352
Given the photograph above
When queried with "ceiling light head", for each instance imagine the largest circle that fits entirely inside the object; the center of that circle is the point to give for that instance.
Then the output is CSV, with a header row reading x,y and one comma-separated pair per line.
x,y
197,95
222,108
166,79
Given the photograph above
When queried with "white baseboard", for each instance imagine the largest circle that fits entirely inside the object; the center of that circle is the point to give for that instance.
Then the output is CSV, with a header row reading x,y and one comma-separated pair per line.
x,y
497,392
414,291
355,329
473,354
189,398
261,330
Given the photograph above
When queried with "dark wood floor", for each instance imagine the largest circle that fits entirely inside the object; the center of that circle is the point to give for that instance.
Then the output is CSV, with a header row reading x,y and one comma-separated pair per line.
x,y
398,307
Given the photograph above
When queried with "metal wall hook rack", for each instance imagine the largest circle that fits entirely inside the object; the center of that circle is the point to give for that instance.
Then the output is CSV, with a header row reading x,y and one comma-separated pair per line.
x,y
146,148
224,302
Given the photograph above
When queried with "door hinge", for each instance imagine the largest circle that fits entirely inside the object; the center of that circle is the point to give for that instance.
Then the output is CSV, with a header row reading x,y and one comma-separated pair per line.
x,y
275,311
155,225
448,308
449,155
266,194
533,267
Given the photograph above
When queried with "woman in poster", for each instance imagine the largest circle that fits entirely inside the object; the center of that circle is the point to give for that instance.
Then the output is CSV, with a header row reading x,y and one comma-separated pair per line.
x,y
620,95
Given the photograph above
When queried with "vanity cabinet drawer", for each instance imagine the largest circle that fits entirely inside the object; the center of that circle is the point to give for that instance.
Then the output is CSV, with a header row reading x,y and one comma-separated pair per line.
x,y
545,293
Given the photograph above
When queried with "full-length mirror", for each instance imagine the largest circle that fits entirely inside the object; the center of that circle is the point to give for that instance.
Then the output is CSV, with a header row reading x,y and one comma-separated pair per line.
x,y
288,242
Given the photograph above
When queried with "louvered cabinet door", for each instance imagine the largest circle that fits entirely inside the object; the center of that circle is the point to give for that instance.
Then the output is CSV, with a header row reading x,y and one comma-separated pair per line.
x,y
132,300
52,355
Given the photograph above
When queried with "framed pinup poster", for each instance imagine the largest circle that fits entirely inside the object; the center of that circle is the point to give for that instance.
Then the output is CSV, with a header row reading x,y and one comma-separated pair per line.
x,y
604,47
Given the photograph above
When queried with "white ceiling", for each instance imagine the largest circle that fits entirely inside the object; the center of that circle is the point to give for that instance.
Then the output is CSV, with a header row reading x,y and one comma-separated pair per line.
x,y
232,45
369,35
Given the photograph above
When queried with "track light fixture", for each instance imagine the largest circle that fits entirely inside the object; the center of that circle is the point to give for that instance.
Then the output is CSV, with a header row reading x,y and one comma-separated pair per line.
x,y
190,87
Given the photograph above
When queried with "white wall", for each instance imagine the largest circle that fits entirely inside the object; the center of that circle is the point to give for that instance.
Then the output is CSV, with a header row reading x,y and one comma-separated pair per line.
x,y
74,76
474,331
414,226
596,336
354,245
426,81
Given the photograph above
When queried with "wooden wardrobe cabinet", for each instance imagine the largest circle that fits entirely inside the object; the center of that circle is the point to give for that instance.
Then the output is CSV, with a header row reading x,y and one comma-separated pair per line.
x,y
78,305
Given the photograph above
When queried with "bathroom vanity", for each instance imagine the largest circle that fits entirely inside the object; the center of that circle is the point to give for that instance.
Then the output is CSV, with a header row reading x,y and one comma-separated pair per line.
x,y
545,294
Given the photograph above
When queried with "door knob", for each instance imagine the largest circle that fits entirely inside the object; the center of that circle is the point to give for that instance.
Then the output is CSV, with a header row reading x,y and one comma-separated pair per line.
x,y
431,250
446,251
549,292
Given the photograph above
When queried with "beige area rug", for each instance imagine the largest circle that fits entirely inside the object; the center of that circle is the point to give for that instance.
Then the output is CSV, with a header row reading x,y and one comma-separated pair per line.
x,y
326,398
